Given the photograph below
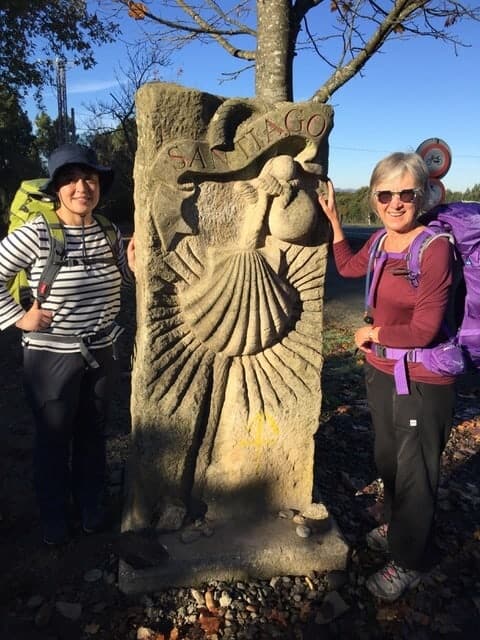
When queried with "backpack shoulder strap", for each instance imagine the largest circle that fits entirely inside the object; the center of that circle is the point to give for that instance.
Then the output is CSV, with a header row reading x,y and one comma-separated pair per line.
x,y
375,265
54,225
56,236
110,233
56,256
418,246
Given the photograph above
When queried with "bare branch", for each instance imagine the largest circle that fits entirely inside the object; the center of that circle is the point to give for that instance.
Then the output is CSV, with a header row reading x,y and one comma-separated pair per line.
x,y
241,8
302,7
233,75
143,64
201,26
344,34
403,20
315,46
207,29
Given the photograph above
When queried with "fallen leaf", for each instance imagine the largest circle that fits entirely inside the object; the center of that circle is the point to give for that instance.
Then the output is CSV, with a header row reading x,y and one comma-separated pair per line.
x,y
386,614
397,611
92,628
209,623
305,611
278,616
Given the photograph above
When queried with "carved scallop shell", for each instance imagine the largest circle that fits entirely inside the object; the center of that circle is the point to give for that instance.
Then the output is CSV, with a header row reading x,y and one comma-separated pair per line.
x,y
239,306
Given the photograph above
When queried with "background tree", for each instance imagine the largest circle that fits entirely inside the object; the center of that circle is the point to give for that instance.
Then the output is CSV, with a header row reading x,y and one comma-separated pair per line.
x,y
472,193
354,206
43,30
112,129
45,134
113,150
344,34
118,112
19,158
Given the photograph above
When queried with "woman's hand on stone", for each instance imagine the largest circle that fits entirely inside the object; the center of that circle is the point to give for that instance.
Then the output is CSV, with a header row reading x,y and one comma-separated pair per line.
x,y
329,208
131,253
328,204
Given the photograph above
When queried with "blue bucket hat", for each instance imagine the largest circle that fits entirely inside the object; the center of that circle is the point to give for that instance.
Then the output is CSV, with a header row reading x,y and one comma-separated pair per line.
x,y
68,154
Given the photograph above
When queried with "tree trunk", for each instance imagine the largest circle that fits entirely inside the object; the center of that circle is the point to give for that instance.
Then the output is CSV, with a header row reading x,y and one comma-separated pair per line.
x,y
273,82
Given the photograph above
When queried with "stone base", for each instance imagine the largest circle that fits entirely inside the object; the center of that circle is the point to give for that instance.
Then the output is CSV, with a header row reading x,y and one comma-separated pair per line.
x,y
239,550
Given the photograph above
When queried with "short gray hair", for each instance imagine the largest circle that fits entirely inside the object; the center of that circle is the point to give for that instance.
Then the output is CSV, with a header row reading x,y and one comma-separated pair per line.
x,y
396,164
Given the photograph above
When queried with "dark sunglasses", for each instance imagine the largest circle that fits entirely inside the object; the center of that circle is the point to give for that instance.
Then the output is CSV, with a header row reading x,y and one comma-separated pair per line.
x,y
406,195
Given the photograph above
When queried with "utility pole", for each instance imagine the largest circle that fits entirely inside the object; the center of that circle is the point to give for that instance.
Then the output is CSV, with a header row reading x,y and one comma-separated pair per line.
x,y
62,122
73,129
65,126
66,131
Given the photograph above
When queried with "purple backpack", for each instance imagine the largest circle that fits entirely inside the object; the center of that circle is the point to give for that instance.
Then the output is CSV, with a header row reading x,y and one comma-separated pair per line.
x,y
460,222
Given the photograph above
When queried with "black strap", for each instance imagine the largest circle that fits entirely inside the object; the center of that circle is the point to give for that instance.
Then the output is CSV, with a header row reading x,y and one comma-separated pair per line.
x,y
83,342
56,257
51,269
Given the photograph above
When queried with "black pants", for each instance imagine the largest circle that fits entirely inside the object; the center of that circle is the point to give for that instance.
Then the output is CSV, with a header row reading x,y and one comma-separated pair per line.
x,y
411,432
69,401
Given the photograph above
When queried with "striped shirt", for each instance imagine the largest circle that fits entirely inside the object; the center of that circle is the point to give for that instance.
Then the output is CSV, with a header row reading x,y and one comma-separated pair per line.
x,y
85,295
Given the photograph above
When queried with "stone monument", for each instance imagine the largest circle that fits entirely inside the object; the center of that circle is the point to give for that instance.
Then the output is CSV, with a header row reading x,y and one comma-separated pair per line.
x,y
231,251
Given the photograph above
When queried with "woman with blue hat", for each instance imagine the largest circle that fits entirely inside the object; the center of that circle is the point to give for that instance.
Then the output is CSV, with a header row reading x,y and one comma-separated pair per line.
x,y
69,338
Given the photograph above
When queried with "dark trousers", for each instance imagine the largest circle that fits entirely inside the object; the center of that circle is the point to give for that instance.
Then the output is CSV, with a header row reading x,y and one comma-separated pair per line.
x,y
411,432
69,401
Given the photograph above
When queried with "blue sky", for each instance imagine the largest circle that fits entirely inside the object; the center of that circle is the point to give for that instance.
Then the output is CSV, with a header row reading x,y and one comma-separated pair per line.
x,y
413,90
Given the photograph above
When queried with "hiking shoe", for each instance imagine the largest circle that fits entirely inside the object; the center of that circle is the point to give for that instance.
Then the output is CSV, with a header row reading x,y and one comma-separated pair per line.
x,y
377,538
55,533
93,520
392,581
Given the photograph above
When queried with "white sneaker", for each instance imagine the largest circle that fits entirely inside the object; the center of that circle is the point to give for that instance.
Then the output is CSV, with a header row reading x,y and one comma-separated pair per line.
x,y
392,581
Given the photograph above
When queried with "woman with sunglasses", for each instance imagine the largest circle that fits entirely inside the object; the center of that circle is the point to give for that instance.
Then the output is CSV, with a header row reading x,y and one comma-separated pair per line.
x,y
411,429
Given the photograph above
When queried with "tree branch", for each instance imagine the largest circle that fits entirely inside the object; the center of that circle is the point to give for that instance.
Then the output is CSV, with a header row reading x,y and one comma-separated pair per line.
x,y
400,21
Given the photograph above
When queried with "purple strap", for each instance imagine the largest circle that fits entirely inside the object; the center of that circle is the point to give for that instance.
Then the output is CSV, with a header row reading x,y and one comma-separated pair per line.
x,y
416,250
380,261
400,375
402,356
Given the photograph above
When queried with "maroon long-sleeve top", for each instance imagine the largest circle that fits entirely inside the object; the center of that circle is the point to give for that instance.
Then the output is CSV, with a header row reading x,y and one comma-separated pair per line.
x,y
408,316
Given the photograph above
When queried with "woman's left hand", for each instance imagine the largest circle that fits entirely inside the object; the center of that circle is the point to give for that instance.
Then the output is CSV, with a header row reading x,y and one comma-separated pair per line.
x,y
364,338
131,253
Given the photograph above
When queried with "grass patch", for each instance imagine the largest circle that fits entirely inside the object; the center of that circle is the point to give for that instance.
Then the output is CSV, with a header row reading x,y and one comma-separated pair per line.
x,y
342,375
337,340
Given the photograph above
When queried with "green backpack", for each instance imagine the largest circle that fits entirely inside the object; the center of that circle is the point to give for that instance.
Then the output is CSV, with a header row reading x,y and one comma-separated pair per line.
x,y
28,203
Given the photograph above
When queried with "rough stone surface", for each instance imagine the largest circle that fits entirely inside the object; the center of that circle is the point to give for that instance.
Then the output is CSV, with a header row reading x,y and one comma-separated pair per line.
x,y
238,551
231,260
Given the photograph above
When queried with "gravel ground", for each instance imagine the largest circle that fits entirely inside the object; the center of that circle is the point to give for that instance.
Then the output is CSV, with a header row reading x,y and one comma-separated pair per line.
x,y
71,593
